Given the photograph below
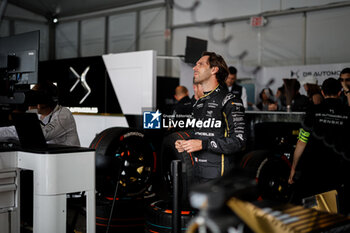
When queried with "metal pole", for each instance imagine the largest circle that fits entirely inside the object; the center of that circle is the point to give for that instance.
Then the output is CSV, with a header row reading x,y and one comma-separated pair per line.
x,y
3,5
176,173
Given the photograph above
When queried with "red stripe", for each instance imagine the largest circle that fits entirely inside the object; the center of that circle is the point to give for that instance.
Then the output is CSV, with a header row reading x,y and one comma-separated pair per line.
x,y
152,231
188,153
285,159
102,136
245,162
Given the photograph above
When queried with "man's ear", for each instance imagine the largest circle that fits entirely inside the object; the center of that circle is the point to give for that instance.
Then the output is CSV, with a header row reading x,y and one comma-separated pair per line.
x,y
214,69
323,93
339,93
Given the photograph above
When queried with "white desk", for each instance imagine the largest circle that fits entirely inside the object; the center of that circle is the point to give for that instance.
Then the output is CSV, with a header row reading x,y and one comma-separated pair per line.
x,y
54,176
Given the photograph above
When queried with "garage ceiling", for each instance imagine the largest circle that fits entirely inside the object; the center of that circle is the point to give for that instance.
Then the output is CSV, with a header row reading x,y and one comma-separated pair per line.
x,y
64,8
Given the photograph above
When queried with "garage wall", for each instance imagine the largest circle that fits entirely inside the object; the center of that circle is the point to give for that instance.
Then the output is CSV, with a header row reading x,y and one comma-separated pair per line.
x,y
116,33
292,39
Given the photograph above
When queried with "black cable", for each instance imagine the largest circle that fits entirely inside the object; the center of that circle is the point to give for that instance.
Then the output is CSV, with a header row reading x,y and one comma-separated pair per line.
x,y
114,197
192,8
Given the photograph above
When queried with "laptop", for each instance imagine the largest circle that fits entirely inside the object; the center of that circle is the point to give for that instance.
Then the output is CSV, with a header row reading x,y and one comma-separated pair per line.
x,y
31,137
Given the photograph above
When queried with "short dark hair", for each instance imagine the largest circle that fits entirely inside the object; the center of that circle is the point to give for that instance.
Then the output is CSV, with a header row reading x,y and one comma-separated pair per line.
x,y
49,92
331,86
217,60
345,71
232,70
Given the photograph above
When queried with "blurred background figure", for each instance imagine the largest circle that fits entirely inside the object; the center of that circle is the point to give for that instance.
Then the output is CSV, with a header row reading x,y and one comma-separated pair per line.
x,y
198,92
266,100
184,104
313,91
294,100
345,82
232,86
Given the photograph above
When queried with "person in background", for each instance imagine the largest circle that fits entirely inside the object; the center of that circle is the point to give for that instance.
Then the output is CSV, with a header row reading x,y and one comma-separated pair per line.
x,y
198,92
232,86
267,101
184,104
57,122
298,102
345,82
322,149
312,89
213,146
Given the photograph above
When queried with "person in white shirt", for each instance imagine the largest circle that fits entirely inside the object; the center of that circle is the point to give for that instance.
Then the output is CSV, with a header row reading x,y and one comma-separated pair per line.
x,y
57,122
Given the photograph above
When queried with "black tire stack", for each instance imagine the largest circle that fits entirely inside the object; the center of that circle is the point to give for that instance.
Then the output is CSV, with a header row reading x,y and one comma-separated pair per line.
x,y
159,213
271,172
125,165
159,217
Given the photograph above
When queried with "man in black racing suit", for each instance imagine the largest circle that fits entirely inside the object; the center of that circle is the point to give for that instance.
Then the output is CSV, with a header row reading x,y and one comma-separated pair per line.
x,y
219,127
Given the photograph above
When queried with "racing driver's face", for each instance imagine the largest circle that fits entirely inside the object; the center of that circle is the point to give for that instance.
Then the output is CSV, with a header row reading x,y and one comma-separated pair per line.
x,y
202,70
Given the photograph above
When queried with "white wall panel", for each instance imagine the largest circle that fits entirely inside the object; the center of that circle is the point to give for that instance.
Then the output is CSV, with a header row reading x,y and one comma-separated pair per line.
x,y
92,37
287,4
328,36
22,27
4,28
270,5
243,38
282,40
67,40
122,33
152,28
209,9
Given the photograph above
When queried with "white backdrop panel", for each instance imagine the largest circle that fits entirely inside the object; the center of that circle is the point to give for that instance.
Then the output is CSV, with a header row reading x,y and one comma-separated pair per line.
x,y
133,76
321,72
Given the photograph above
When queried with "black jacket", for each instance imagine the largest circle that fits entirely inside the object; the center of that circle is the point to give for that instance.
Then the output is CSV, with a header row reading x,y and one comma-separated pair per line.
x,y
225,135
183,107
328,147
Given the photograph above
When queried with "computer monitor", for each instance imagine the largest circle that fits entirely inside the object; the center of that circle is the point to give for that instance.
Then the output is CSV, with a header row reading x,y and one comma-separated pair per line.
x,y
19,56
194,49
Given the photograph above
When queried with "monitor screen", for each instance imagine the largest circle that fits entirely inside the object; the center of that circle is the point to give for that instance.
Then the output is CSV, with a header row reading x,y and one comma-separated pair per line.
x,y
194,49
19,55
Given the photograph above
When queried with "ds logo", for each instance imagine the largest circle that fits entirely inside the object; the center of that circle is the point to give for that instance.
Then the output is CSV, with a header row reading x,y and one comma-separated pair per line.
x,y
151,120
